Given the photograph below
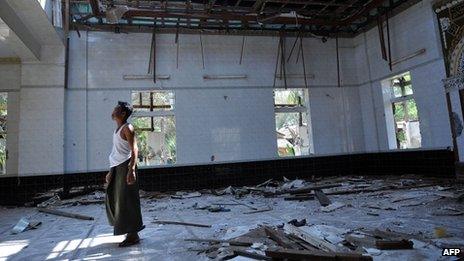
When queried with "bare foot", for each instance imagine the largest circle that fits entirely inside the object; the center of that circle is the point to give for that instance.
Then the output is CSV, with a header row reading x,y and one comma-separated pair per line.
x,y
131,239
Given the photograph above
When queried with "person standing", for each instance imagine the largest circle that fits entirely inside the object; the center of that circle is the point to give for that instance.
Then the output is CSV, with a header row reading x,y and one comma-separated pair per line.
x,y
122,188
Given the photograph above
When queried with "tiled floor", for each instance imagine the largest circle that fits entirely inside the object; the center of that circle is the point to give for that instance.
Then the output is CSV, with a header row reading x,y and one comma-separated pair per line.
x,y
61,238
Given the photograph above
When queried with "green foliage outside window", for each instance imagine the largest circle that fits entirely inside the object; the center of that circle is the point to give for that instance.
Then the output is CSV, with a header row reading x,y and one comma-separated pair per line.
x,y
143,127
3,131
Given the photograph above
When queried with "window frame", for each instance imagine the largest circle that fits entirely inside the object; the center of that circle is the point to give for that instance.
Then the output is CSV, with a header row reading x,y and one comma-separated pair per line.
x,y
152,114
301,107
391,101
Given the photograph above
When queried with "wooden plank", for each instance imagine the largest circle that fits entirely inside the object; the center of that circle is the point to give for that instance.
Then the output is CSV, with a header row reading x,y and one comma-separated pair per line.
x,y
251,255
179,223
311,239
245,204
279,237
212,240
392,235
300,197
332,207
302,243
323,199
389,187
91,201
304,190
311,188
64,214
264,183
365,241
258,211
294,254
394,244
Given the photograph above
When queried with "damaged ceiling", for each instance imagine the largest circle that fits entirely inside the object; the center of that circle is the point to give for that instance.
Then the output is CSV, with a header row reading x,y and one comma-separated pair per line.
x,y
322,17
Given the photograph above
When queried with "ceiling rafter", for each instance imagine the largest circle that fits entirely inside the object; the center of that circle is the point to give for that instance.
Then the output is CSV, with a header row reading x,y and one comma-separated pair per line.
x,y
329,16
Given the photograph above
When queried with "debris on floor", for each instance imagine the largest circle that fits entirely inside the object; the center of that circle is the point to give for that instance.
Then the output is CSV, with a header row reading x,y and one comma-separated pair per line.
x,y
182,195
333,206
356,218
24,224
300,240
169,222
64,214
51,201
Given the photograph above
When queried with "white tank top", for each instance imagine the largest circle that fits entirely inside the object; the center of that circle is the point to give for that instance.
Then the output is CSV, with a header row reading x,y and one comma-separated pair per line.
x,y
121,150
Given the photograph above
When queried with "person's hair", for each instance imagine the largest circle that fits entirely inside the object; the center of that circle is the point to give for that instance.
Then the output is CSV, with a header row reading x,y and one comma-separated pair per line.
x,y
125,107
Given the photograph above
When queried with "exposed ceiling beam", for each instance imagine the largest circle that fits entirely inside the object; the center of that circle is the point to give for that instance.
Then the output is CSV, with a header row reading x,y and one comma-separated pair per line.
x,y
17,35
373,4
224,16
332,16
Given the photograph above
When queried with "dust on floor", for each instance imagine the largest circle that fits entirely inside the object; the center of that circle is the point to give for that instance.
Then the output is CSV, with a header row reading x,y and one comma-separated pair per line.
x,y
428,212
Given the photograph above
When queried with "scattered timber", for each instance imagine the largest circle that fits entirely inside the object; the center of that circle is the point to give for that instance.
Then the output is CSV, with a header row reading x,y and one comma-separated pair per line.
x,y
294,254
279,237
394,244
168,222
211,240
311,239
258,211
323,199
64,214
251,255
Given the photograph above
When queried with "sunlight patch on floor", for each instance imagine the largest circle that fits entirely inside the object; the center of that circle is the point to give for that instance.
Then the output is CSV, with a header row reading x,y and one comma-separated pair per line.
x,y
12,247
67,246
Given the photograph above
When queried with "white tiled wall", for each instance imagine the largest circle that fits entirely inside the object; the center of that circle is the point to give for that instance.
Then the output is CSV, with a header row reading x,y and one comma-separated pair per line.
x,y
411,30
41,130
238,127
231,124
70,130
35,139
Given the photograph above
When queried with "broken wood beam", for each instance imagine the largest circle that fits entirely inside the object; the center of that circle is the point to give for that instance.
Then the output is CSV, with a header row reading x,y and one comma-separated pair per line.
x,y
303,244
300,197
394,244
311,239
279,237
251,255
245,204
323,199
264,183
91,201
168,222
303,190
64,214
311,188
258,211
367,190
388,234
212,240
294,254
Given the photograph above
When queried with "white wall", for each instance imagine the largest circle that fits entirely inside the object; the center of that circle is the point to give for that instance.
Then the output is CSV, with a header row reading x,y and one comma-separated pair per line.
x,y
35,139
53,130
411,30
240,127
41,112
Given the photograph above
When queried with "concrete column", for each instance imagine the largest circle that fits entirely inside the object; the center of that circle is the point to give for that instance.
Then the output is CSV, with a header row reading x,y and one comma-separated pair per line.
x,y
41,123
